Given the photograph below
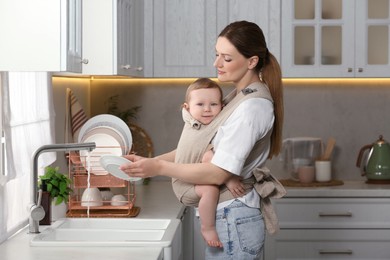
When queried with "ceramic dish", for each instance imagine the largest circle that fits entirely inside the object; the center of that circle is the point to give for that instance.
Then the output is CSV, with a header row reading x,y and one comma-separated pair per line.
x,y
108,131
108,121
105,144
91,198
118,200
111,163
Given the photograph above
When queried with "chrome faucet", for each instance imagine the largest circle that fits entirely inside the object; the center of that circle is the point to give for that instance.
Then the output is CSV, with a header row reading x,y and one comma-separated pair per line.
x,y
36,210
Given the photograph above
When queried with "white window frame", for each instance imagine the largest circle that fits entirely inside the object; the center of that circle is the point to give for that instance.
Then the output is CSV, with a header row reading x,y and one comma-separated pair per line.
x,y
2,148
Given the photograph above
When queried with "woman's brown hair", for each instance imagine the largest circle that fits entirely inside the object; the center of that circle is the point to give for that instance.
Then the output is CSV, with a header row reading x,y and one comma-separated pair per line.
x,y
249,40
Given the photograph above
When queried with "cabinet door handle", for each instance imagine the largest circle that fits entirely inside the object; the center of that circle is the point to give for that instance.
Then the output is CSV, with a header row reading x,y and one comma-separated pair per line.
x,y
84,61
350,70
360,69
335,214
128,67
335,252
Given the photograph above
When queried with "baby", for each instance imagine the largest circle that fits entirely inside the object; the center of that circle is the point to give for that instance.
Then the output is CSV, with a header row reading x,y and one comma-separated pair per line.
x,y
204,102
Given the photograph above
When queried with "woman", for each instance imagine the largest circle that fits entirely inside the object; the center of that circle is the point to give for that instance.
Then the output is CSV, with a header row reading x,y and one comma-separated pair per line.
x,y
243,143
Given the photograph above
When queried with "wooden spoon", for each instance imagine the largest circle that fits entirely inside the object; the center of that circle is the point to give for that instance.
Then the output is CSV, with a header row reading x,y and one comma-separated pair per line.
x,y
329,149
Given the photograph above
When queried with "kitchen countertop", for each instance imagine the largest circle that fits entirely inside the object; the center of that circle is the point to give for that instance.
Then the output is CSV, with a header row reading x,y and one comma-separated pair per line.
x,y
350,189
156,200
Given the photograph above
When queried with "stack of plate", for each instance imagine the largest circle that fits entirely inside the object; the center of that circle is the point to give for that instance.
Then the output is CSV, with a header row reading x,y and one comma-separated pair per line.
x,y
112,137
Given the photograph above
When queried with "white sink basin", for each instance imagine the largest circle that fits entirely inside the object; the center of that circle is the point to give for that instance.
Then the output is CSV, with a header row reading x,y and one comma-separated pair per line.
x,y
109,232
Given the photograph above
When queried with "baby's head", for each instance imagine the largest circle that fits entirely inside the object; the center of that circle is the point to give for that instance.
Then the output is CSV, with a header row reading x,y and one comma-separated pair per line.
x,y
203,100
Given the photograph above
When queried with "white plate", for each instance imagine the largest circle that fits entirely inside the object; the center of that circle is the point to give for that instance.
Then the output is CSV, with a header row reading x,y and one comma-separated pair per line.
x,y
105,144
109,131
112,163
111,121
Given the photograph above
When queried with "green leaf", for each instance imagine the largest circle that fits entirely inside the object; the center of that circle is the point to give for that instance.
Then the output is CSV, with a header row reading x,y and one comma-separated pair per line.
x,y
49,187
63,186
59,200
54,182
54,193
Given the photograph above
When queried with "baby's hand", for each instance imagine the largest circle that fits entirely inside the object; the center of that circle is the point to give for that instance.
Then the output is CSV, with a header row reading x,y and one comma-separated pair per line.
x,y
235,186
207,156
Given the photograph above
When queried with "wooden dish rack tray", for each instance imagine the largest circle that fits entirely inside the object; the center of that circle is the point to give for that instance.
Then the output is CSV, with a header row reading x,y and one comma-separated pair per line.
x,y
101,179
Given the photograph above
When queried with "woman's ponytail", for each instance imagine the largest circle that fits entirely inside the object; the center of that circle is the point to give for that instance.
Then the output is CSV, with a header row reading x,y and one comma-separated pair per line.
x,y
272,76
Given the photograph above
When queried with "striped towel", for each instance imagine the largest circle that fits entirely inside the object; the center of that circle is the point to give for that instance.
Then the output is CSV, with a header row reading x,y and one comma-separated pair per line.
x,y
75,117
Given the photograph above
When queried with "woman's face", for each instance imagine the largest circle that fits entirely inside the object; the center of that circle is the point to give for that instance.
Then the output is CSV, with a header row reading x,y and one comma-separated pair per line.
x,y
231,65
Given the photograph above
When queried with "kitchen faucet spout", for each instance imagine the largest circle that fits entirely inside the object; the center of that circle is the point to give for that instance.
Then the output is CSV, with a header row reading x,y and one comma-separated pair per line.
x,y
36,211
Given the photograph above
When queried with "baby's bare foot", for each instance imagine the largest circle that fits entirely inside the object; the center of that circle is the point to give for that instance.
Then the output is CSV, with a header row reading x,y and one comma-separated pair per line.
x,y
210,235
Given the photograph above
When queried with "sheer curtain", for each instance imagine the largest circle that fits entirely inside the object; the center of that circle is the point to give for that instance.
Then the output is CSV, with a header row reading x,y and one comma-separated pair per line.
x,y
28,123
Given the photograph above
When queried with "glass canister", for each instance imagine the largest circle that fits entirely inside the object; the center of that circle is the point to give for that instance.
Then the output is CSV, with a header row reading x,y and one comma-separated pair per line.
x,y
300,151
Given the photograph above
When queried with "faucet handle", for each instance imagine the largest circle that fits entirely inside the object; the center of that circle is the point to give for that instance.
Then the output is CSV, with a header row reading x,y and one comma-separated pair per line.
x,y
39,200
36,211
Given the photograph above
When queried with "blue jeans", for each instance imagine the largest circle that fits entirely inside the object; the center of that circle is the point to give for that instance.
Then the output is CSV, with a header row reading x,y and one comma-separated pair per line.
x,y
242,232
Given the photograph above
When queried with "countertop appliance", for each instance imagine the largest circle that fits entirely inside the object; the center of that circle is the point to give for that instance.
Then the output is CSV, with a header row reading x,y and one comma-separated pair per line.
x,y
374,161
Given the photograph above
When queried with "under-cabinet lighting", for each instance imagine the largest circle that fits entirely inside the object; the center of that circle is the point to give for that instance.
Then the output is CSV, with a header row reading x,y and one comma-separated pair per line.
x,y
286,81
337,81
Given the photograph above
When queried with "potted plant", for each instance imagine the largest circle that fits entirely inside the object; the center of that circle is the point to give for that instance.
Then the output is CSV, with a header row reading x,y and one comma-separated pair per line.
x,y
57,184
56,191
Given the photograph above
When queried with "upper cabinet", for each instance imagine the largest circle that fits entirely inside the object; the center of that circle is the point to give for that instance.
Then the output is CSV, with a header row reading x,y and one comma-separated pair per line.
x,y
42,35
180,36
113,37
265,13
335,38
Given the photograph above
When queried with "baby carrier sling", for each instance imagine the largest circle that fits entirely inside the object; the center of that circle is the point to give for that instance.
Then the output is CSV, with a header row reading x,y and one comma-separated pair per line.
x,y
195,139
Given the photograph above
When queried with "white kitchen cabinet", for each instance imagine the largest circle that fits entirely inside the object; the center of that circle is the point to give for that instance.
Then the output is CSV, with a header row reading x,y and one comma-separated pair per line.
x,y
187,220
40,35
265,13
335,38
180,36
113,37
199,243
332,228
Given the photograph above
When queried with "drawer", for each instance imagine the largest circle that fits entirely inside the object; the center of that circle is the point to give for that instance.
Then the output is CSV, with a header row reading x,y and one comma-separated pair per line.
x,y
328,244
333,212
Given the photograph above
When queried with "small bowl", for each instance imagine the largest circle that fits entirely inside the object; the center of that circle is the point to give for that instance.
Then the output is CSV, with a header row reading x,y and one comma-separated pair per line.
x,y
91,198
118,200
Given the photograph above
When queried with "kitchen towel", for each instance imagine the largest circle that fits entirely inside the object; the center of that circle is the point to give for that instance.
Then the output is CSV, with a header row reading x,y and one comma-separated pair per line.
x,y
75,117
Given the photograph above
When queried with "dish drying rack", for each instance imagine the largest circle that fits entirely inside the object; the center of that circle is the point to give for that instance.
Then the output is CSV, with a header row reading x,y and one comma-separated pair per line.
x,y
98,178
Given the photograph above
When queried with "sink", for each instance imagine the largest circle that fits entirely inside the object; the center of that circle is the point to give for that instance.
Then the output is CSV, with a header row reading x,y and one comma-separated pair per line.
x,y
165,233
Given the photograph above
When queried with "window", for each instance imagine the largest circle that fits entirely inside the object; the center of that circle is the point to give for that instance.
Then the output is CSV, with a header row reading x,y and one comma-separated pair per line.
x,y
27,116
3,167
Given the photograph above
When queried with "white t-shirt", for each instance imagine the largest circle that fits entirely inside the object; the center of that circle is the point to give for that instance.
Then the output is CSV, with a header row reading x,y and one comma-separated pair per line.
x,y
249,122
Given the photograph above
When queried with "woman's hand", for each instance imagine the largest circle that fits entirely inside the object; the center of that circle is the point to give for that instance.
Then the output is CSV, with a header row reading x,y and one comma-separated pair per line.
x,y
141,166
